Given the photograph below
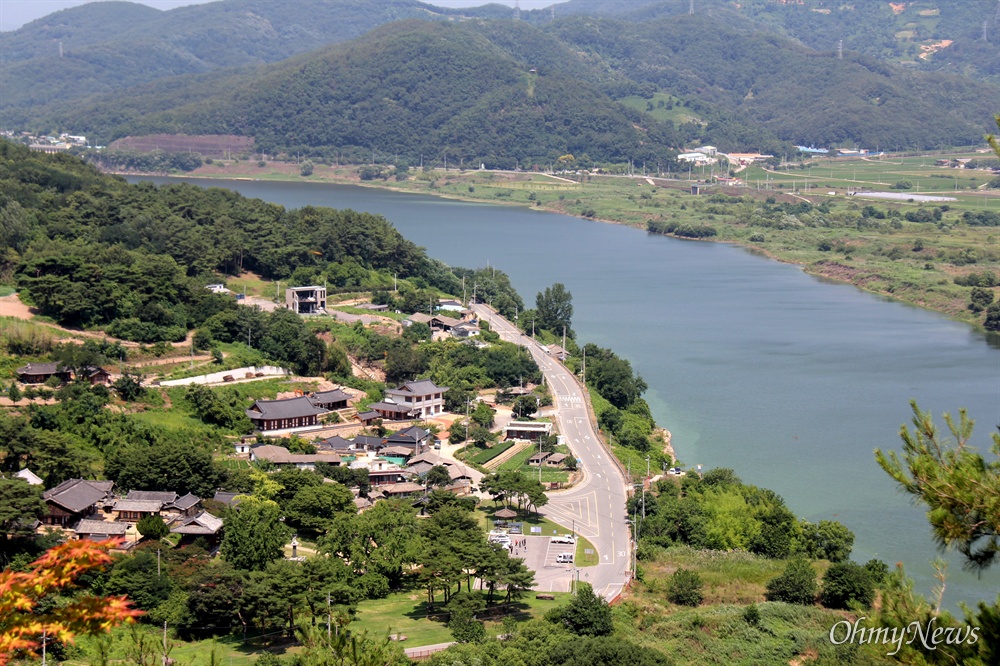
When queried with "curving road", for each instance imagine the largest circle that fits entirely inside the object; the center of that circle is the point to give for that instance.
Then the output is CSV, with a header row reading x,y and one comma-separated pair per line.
x,y
596,505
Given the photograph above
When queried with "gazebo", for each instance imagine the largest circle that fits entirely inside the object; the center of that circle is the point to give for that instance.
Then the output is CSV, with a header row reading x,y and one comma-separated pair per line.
x,y
505,514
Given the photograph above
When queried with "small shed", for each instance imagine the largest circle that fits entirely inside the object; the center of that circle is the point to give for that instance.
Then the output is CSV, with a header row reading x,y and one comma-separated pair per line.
x,y
537,458
556,460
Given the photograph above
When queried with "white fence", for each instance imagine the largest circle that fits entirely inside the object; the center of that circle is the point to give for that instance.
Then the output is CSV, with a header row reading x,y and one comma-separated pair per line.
x,y
235,375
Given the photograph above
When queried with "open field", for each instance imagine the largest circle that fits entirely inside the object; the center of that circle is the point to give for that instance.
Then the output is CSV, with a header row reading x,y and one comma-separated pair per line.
x,y
520,462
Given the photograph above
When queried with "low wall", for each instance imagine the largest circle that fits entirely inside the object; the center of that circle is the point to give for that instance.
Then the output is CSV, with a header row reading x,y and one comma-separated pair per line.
x,y
237,374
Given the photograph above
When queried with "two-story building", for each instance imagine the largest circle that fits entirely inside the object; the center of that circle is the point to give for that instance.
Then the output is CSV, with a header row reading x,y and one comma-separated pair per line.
x,y
306,300
423,397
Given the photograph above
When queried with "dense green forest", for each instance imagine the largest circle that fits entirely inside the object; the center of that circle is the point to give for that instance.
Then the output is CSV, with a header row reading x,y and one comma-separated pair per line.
x,y
506,93
91,250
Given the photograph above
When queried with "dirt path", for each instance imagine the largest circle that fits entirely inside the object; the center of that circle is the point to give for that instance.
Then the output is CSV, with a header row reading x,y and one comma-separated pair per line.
x,y
12,306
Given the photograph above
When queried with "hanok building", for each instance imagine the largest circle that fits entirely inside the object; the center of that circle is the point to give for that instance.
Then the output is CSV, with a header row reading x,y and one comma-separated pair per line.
x,y
97,376
413,438
74,499
387,410
39,373
306,300
423,397
134,510
330,400
173,506
279,455
283,414
202,525
99,530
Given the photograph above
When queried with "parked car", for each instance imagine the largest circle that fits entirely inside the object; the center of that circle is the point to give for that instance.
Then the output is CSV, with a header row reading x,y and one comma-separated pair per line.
x,y
563,538
564,558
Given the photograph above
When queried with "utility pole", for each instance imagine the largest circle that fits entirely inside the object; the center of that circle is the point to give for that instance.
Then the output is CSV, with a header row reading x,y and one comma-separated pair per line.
x,y
164,642
157,562
327,617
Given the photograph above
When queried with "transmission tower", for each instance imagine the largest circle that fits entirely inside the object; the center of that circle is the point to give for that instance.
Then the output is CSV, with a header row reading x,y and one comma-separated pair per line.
x,y
840,50
517,10
691,8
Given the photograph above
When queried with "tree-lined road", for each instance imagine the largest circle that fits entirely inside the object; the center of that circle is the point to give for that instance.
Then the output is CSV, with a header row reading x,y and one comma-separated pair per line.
x,y
596,505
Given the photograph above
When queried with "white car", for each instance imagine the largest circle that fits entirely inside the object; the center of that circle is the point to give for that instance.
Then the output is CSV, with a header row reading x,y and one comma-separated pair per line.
x,y
564,538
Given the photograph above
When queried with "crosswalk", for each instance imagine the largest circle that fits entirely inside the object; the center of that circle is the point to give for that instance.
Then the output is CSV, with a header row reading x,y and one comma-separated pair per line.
x,y
572,399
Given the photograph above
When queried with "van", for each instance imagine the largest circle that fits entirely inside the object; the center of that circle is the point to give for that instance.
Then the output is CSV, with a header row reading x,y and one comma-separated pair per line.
x,y
564,558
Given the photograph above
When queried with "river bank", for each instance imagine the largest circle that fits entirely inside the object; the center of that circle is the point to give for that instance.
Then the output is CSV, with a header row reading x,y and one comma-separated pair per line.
x,y
915,263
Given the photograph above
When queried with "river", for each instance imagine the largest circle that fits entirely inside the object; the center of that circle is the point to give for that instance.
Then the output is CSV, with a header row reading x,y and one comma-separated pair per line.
x,y
752,364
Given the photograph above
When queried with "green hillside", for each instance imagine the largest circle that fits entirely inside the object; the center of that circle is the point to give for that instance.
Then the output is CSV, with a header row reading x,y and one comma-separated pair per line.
x,y
796,93
113,46
411,88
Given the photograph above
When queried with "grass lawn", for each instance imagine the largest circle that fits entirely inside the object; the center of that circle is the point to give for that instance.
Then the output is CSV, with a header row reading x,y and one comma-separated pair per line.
x,y
520,462
406,613
6,291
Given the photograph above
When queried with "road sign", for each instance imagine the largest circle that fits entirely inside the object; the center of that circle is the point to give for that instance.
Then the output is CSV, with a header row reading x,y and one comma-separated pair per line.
x,y
536,530
588,551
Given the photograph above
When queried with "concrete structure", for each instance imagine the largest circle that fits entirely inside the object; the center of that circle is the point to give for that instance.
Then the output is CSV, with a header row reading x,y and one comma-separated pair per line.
x,y
530,430
423,397
306,300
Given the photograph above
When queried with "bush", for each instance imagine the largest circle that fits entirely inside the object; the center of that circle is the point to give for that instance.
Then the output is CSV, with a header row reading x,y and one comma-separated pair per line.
x,y
901,185
845,582
795,585
152,527
684,588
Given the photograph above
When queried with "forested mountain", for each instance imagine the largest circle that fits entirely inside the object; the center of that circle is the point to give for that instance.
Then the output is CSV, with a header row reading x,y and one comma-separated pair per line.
x,y
410,88
932,35
500,92
467,90
110,46
799,94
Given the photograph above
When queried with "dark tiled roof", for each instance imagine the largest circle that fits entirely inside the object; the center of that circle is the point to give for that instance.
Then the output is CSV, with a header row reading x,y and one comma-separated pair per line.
x,y
367,440
159,495
100,527
337,443
391,407
202,524
422,387
289,408
336,395
41,369
76,495
186,502
226,498
143,506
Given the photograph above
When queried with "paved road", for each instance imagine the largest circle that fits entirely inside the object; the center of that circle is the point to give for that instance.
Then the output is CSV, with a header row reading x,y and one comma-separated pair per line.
x,y
596,505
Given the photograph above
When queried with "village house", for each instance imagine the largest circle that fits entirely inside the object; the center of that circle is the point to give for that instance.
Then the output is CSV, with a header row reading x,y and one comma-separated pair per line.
x,y
556,460
387,410
297,412
414,439
331,400
39,373
422,396
74,499
173,506
279,455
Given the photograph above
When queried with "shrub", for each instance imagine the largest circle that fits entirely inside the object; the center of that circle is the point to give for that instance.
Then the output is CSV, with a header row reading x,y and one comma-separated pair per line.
x,y
901,185
795,585
684,588
845,582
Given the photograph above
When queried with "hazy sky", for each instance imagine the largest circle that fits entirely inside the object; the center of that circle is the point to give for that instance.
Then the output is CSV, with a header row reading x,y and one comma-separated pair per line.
x,y
15,13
